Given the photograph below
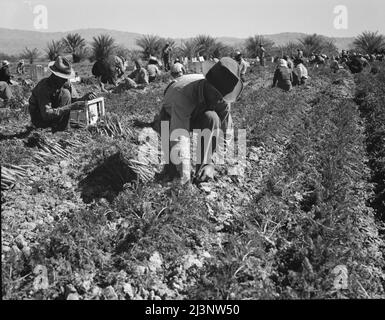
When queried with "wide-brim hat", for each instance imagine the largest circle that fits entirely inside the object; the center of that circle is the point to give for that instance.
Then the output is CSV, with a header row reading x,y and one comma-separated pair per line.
x,y
5,63
225,77
61,67
282,63
152,58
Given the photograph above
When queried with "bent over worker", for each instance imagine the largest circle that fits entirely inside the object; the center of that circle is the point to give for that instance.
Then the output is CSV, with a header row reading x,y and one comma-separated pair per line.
x,y
54,97
109,70
200,102
283,76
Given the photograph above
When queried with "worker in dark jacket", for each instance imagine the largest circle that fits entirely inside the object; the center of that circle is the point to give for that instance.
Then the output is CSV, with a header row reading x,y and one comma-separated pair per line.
x,y
5,93
166,55
355,64
54,97
5,74
109,70
283,77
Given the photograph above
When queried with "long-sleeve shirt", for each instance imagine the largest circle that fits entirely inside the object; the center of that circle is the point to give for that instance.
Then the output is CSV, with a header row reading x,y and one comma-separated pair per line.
x,y
242,67
301,71
185,100
44,99
283,78
5,75
153,70
177,69
109,70
190,96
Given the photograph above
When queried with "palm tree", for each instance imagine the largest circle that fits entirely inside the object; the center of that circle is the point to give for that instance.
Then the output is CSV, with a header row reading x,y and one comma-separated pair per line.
x,y
252,45
188,48
151,45
74,44
102,47
289,49
54,49
330,48
30,54
369,42
312,43
205,45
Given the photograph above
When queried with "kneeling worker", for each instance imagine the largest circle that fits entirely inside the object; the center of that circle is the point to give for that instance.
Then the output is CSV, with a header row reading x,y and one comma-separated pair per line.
x,y
177,69
199,102
54,97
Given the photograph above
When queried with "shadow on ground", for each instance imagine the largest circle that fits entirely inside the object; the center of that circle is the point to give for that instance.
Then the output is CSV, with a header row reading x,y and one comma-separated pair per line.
x,y
107,180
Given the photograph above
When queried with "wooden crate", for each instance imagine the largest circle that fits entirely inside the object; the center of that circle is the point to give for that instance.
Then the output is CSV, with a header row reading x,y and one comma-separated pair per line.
x,y
39,72
91,114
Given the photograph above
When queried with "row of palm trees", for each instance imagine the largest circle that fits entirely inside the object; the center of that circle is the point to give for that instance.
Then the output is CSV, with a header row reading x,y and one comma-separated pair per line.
x,y
201,45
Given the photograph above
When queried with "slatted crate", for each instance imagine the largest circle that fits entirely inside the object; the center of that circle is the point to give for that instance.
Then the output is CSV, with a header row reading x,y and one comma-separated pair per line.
x,y
91,114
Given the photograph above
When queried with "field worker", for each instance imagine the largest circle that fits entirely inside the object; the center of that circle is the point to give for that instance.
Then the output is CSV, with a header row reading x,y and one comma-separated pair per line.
x,y
5,74
20,68
364,61
261,55
334,65
109,71
166,54
355,64
242,65
177,69
54,97
283,77
290,63
140,74
299,54
5,93
152,69
200,102
300,74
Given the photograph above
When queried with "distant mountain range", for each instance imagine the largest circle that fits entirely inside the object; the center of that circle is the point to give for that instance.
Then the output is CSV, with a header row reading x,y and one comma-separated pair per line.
x,y
14,41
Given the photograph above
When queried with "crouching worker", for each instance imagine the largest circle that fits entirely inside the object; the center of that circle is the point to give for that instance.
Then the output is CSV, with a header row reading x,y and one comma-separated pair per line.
x,y
152,69
177,69
139,75
300,74
54,97
109,71
197,102
137,79
283,76
5,93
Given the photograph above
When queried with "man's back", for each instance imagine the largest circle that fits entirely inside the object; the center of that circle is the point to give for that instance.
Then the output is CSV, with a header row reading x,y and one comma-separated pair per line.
x,y
5,75
153,70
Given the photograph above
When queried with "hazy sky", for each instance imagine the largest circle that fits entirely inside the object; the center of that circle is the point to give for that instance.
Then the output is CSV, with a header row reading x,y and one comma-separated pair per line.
x,y
181,18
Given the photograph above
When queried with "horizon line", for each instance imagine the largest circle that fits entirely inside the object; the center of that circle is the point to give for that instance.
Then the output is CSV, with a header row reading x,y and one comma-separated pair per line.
x,y
176,37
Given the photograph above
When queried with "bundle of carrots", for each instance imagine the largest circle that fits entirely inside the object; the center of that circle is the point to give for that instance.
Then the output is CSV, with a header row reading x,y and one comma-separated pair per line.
x,y
49,149
110,126
10,175
144,171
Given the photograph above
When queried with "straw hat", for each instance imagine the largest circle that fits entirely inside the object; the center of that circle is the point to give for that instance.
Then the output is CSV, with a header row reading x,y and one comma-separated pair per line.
x,y
225,77
61,67
282,63
5,63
